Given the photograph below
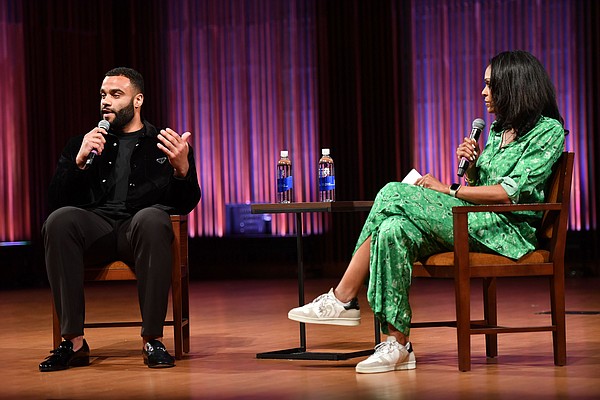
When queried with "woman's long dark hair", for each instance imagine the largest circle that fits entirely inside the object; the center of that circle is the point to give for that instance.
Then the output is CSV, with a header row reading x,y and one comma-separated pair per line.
x,y
521,92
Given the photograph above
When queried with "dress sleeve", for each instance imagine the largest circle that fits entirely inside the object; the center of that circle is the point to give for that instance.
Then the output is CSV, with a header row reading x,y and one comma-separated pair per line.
x,y
526,182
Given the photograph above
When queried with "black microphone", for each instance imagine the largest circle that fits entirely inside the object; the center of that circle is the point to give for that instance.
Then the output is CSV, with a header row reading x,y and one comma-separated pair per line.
x,y
477,126
104,124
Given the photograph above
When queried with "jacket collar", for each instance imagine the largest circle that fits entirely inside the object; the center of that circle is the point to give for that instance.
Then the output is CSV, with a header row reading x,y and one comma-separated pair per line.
x,y
149,131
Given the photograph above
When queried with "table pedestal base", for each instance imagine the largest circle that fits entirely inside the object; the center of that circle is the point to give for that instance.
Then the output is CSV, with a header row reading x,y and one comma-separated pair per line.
x,y
300,353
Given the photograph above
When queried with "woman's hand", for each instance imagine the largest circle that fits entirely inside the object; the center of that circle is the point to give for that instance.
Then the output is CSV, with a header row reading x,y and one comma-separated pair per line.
x,y
431,182
468,149
494,194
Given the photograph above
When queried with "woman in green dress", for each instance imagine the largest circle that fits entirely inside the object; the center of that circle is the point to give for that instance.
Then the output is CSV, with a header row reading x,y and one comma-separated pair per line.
x,y
411,222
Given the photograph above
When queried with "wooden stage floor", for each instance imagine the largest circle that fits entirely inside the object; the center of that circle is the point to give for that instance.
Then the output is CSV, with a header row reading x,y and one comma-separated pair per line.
x,y
233,320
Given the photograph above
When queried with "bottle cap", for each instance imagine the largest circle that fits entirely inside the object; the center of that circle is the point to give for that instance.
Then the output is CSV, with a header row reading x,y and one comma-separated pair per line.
x,y
325,152
284,153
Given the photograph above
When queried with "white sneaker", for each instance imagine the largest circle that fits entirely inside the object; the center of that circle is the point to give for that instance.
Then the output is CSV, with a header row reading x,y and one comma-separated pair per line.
x,y
327,309
389,356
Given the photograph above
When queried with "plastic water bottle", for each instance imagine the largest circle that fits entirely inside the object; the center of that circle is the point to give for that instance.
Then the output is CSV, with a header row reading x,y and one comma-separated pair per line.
x,y
326,177
284,178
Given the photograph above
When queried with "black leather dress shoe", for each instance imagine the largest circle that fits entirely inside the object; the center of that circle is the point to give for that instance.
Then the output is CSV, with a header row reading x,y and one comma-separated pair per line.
x,y
64,357
156,355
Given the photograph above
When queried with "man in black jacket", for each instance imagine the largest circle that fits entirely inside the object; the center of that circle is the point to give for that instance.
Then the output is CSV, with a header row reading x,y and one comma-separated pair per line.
x,y
117,206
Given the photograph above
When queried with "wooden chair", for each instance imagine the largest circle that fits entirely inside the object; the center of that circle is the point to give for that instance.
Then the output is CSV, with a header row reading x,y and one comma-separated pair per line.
x,y
119,271
547,260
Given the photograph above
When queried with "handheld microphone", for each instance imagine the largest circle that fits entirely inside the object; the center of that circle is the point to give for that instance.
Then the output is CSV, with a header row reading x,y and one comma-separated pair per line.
x,y
104,124
477,126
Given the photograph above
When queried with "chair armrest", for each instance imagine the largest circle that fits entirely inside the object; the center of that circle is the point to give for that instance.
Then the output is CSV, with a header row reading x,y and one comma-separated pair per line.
x,y
461,232
504,208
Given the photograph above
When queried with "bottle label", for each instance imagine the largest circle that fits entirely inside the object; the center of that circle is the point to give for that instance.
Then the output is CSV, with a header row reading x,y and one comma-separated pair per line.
x,y
284,184
326,183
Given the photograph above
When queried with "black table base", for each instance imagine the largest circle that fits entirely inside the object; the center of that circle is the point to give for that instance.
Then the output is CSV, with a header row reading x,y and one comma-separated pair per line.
x,y
300,353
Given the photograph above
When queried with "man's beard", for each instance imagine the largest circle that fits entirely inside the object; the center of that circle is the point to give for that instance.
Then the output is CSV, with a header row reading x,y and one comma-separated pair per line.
x,y
122,117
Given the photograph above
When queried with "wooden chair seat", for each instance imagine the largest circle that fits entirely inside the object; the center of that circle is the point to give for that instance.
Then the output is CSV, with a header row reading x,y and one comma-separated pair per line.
x,y
120,271
442,265
115,271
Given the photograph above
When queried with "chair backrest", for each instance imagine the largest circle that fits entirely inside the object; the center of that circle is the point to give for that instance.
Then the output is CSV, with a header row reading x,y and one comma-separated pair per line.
x,y
554,222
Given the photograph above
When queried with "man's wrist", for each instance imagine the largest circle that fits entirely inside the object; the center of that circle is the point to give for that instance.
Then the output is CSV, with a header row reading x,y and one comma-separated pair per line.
x,y
180,174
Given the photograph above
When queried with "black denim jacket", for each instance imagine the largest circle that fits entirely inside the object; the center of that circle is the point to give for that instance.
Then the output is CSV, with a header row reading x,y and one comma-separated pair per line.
x,y
151,181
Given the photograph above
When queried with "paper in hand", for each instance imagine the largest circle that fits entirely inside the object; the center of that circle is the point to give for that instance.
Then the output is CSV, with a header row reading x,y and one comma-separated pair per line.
x,y
411,177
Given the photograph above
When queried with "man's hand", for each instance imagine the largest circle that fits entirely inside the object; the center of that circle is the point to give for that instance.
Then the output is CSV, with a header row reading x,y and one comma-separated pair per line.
x,y
94,139
176,148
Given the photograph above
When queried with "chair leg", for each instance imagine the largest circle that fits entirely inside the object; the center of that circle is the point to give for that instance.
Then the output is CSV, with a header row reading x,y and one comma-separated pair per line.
x,y
463,322
56,336
185,312
557,304
176,286
177,309
177,328
490,315
185,284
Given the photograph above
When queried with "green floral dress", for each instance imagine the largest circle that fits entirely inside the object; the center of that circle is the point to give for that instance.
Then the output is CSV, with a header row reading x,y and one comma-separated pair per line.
x,y
408,222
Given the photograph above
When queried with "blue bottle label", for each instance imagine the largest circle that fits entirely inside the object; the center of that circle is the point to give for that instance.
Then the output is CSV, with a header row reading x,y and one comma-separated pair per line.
x,y
326,183
284,184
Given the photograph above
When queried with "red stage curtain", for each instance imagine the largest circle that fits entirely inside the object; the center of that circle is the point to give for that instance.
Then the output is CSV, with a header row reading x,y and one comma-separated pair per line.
x,y
15,217
242,80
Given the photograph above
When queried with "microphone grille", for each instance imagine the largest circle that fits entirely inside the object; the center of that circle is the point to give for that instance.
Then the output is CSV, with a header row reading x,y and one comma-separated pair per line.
x,y
478,124
104,124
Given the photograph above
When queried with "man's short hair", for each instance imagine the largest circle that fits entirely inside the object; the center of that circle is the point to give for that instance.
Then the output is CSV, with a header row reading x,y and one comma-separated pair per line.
x,y
136,79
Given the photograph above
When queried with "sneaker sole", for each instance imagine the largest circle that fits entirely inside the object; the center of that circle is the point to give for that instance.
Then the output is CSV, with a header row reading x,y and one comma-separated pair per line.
x,y
159,366
375,370
326,321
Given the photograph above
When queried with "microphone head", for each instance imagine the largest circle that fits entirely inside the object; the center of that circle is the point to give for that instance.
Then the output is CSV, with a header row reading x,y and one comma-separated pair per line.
x,y
478,124
104,124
